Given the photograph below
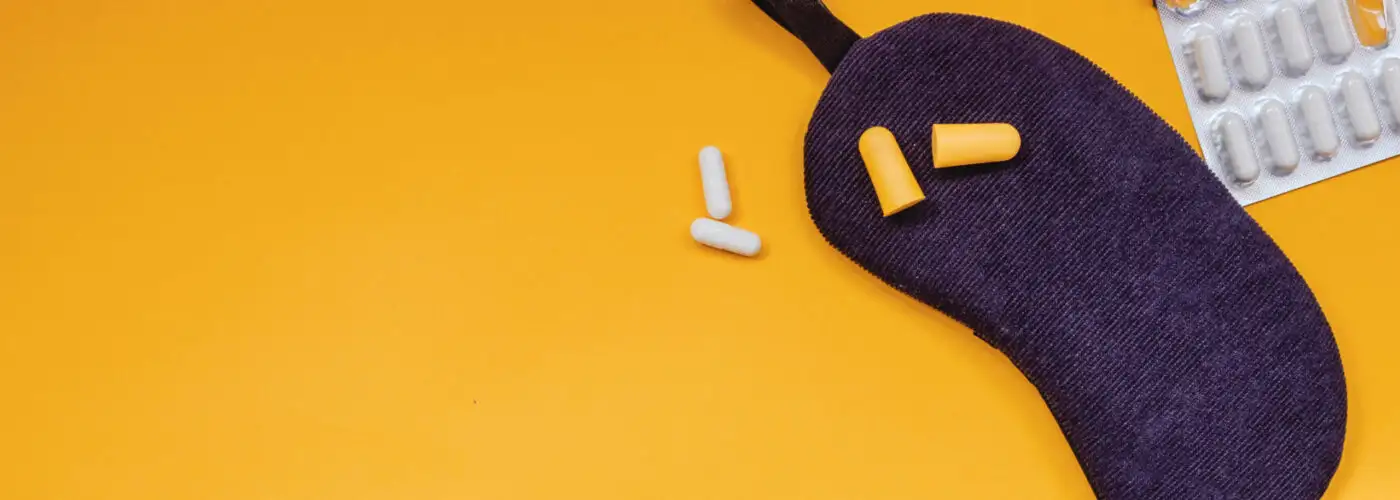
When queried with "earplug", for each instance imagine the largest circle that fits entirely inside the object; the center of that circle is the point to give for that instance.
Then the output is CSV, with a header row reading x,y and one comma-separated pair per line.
x,y
953,145
956,145
894,182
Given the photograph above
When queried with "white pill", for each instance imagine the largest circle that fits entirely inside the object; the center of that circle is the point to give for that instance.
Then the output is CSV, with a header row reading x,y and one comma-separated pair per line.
x,y
1293,38
1336,38
1390,79
1317,117
1361,111
715,183
1283,149
1254,61
716,234
1239,151
1211,76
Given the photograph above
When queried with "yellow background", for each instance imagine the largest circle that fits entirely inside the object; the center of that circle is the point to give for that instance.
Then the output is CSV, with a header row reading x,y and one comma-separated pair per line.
x,y
431,249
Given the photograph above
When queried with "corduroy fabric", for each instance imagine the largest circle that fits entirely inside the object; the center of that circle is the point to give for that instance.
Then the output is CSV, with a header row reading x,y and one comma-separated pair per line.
x,y
809,20
1180,351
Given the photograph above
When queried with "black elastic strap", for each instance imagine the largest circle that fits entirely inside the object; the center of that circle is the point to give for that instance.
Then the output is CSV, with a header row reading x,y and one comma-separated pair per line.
x,y
809,20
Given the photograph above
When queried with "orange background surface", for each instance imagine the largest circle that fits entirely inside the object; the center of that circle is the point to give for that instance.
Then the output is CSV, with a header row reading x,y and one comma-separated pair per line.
x,y
432,249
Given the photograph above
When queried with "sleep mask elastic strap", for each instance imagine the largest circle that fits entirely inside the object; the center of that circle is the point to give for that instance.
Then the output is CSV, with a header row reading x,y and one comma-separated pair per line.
x,y
809,20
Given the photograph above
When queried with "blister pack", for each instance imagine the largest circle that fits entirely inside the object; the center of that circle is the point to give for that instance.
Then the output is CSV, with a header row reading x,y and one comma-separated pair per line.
x,y
1286,93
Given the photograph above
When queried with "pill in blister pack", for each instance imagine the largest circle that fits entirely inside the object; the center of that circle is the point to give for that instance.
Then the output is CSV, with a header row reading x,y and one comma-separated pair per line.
x,y
1390,83
1360,110
1237,145
1253,60
1372,27
1292,39
1212,79
1317,117
1332,22
1287,93
1185,7
1279,143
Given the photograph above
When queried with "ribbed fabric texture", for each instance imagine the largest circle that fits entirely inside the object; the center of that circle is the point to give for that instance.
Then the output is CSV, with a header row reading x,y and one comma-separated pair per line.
x,y
809,20
1182,354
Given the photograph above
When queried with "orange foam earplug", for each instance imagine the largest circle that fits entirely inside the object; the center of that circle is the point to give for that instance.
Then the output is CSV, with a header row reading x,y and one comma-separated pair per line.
x,y
955,145
894,182
1372,27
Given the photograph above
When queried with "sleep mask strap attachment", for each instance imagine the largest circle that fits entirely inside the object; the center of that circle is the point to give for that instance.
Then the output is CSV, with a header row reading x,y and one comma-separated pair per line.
x,y
809,20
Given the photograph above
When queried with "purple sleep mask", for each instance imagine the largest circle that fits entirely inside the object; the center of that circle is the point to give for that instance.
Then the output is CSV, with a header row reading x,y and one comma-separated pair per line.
x,y
1180,351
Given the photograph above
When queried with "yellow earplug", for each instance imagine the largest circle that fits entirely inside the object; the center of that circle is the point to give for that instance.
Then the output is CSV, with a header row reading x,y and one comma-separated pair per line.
x,y
955,145
1372,28
894,182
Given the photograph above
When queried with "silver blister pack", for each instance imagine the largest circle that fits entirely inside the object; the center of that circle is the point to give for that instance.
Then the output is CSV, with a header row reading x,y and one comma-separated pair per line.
x,y
1286,93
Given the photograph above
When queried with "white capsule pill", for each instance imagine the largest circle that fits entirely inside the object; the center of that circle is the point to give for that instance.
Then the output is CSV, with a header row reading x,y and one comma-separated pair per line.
x,y
1361,111
716,234
1254,61
1293,38
1233,134
1283,149
1390,79
1336,37
1317,117
1211,75
715,183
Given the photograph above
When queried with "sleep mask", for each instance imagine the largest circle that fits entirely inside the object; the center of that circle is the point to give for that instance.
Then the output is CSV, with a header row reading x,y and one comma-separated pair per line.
x,y
1177,347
